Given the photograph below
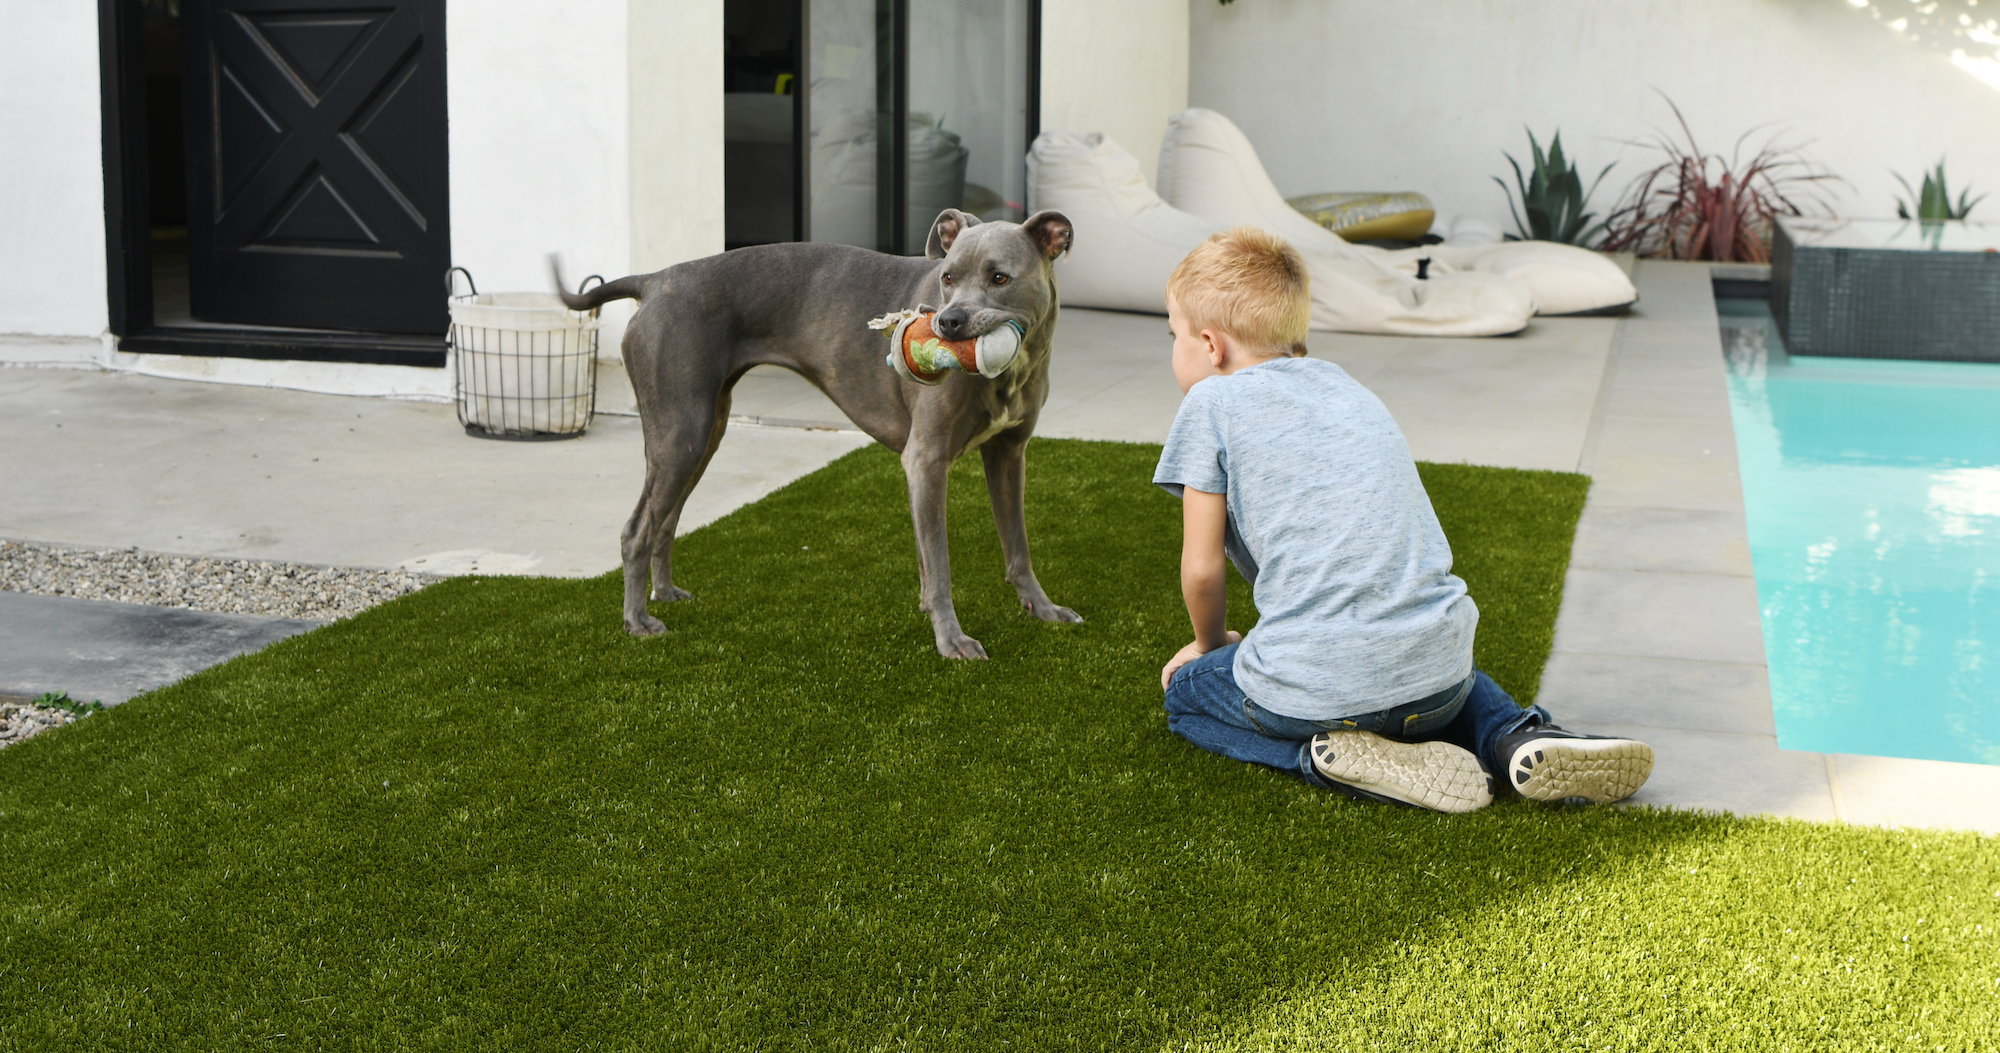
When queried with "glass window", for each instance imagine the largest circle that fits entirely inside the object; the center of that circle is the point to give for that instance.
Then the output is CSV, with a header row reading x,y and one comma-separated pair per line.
x,y
968,113
848,102
760,165
960,94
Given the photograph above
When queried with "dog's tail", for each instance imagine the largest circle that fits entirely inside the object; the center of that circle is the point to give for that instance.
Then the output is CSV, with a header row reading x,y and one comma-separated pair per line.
x,y
627,288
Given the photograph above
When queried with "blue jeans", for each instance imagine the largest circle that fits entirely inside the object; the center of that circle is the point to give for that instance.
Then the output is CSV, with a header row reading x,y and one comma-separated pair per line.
x,y
1205,707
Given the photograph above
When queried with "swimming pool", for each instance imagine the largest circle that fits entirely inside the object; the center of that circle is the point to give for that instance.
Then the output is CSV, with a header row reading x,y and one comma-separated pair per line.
x,y
1872,491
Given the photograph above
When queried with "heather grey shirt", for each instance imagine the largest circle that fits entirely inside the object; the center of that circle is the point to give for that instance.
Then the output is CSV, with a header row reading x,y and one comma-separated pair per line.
x,y
1359,609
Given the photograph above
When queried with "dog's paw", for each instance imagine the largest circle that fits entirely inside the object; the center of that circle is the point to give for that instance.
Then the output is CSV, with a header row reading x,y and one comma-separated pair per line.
x,y
962,647
671,594
1049,612
645,625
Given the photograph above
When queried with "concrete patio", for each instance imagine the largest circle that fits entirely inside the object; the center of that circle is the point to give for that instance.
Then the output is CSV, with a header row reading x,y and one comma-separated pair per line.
x,y
1658,636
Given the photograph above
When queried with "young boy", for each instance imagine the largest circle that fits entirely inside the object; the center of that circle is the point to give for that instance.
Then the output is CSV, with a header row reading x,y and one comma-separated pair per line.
x,y
1358,675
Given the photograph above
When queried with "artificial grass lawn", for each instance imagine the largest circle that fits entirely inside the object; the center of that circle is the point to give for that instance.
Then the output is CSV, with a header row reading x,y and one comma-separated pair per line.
x,y
483,817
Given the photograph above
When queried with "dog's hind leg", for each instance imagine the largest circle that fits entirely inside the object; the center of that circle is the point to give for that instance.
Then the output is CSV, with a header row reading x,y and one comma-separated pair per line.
x,y
673,460
635,550
675,456
1006,461
664,588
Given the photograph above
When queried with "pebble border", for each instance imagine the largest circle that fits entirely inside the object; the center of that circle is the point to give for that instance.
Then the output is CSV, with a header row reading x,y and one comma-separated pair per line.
x,y
21,721
202,583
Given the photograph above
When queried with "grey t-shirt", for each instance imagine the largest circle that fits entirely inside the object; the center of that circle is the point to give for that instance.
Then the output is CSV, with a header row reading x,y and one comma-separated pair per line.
x,y
1359,610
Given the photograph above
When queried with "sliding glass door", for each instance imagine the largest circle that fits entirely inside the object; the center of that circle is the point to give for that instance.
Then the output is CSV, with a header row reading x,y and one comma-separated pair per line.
x,y
760,120
851,79
934,94
968,111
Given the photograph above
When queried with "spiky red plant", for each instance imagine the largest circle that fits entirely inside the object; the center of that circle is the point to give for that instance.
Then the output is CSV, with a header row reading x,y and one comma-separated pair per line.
x,y
1699,206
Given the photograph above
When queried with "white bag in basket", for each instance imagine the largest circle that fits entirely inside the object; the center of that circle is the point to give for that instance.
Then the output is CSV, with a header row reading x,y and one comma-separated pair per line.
x,y
522,362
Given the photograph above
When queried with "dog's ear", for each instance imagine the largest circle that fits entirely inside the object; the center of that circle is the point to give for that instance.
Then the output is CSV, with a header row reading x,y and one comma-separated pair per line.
x,y
1050,232
950,224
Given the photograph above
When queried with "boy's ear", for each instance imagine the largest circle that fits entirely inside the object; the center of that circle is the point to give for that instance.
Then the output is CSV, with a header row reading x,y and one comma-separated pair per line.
x,y
1218,347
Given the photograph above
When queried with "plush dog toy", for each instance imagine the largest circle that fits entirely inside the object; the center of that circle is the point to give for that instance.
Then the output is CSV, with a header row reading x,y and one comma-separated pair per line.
x,y
919,354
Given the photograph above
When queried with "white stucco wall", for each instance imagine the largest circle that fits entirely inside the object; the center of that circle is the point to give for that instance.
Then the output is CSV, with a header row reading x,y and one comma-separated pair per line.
x,y
1119,67
674,51
51,172
1425,94
539,140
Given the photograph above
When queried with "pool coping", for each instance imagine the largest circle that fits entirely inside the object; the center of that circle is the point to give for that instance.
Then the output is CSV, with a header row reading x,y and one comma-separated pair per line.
x,y
1659,636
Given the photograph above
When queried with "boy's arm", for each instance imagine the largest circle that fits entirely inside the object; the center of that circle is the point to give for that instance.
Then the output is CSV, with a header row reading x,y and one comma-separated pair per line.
x,y
1204,517
1204,571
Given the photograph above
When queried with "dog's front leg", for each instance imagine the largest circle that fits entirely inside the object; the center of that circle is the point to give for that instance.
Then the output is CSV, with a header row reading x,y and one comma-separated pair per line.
x,y
1006,458
927,472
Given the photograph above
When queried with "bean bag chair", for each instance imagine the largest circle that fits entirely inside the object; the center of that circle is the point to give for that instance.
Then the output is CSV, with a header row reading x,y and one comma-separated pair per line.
x,y
1565,279
1460,230
844,192
1209,168
1128,241
1125,241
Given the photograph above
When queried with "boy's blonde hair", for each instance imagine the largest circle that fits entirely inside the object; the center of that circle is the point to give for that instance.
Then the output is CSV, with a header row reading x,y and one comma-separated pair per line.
x,y
1250,284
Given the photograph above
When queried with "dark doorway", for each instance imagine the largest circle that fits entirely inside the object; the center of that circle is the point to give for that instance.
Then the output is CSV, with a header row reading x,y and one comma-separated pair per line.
x,y
761,118
275,178
318,151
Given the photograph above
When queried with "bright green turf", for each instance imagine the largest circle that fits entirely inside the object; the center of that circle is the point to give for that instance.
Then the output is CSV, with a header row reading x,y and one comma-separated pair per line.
x,y
484,817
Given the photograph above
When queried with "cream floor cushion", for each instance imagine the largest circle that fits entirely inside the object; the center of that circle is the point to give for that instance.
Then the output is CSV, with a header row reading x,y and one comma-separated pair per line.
x,y
1458,229
1125,241
1128,241
1565,279
1209,168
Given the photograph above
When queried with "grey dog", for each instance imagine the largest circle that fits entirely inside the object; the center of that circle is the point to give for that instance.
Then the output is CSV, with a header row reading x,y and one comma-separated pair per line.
x,y
806,306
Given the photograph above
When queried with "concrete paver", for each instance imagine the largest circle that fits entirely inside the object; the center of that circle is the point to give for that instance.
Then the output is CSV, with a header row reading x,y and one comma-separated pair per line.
x,y
1894,791
1743,774
1685,540
1659,636
1654,614
214,470
1588,690
108,652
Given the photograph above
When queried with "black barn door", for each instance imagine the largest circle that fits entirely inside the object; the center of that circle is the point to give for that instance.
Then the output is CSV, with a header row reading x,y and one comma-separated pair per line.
x,y
316,149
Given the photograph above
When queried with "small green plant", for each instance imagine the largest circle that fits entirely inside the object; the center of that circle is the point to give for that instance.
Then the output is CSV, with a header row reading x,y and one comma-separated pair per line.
x,y
1552,197
1933,202
61,700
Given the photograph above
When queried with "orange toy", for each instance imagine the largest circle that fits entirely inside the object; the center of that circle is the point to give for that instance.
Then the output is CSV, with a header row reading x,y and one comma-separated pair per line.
x,y
920,354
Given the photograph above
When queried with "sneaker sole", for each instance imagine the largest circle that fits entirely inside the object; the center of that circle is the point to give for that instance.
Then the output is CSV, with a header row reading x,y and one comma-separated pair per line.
x,y
1598,771
1434,775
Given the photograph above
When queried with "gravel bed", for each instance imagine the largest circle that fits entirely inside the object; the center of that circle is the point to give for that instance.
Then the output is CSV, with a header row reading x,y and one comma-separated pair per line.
x,y
227,586
21,721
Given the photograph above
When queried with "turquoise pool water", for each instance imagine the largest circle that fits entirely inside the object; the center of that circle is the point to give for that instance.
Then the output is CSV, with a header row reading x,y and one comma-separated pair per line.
x,y
1872,490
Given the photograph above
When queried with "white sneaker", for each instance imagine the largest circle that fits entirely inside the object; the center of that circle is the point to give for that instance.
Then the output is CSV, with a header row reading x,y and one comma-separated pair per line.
x,y
1547,763
1434,775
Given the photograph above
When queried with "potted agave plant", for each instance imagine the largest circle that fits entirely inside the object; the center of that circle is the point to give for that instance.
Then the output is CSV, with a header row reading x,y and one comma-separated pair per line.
x,y
1932,206
1933,203
1553,197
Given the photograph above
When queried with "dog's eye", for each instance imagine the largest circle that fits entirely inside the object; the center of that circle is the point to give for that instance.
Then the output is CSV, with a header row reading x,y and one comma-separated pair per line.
x,y
999,279
947,278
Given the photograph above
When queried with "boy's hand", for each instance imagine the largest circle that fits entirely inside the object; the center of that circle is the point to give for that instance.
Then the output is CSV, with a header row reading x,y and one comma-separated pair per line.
x,y
1191,652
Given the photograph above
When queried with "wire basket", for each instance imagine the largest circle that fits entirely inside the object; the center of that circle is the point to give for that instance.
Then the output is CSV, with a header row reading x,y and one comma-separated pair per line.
x,y
525,364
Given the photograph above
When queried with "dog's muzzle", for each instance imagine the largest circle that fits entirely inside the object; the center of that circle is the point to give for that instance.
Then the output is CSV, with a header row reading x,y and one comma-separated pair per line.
x,y
919,354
